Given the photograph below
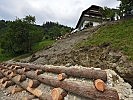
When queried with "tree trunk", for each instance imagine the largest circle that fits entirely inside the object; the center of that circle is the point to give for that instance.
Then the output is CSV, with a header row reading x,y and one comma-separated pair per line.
x,y
74,72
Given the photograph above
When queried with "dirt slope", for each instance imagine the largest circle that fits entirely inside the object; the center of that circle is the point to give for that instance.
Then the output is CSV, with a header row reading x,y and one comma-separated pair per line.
x,y
61,47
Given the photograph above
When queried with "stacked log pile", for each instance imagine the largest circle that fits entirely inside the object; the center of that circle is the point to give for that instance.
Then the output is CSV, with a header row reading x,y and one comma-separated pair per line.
x,y
56,83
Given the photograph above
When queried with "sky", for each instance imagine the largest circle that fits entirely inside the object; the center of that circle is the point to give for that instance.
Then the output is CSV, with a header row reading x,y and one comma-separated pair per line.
x,y
66,12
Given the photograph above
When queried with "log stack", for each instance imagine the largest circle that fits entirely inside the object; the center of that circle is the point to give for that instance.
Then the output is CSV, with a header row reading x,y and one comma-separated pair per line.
x,y
61,82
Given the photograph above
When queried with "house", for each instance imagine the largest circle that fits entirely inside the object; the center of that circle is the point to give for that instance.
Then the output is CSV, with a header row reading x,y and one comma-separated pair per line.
x,y
90,17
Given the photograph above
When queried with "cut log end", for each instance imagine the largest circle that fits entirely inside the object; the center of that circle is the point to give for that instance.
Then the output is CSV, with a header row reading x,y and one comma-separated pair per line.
x,y
58,94
26,69
35,91
33,83
62,76
8,83
100,85
30,97
3,80
38,72
21,78
16,89
12,74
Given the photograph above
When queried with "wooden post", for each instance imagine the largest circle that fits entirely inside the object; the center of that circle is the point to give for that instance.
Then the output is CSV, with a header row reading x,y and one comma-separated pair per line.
x,y
33,83
62,76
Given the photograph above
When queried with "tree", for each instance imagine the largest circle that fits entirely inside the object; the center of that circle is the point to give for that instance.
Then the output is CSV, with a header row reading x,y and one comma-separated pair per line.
x,y
125,6
30,19
108,13
18,40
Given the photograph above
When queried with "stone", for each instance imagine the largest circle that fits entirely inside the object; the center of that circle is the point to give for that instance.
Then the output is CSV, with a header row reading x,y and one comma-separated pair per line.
x,y
68,65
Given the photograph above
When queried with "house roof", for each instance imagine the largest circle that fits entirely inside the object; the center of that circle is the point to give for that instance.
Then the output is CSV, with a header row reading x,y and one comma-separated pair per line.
x,y
92,10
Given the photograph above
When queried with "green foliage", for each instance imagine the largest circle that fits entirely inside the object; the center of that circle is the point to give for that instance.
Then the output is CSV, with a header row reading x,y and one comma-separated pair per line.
x,y
23,36
53,30
120,36
108,13
30,19
125,6
18,36
41,45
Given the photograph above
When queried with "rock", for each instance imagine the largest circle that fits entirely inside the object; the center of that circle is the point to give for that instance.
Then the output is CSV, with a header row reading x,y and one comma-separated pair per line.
x,y
68,65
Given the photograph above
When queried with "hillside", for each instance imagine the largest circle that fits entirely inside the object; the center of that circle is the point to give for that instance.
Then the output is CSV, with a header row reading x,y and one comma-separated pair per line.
x,y
107,47
32,37
81,58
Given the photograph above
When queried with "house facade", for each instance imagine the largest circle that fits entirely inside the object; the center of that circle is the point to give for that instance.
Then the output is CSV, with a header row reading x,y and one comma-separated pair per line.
x,y
90,17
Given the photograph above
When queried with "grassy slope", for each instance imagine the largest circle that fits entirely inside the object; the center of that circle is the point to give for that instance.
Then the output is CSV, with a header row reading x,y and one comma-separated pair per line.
x,y
119,35
36,47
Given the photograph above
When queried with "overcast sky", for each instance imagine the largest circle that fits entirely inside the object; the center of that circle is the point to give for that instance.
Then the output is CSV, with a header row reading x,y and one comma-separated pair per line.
x,y
66,12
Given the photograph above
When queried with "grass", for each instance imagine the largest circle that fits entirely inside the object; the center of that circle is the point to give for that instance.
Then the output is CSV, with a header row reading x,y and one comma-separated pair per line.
x,y
35,48
42,45
5,57
119,35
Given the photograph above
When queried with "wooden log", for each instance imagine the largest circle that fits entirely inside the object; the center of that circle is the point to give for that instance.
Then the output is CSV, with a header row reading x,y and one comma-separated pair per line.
x,y
62,76
16,89
12,67
8,72
29,97
12,74
33,83
88,91
25,69
8,83
58,94
17,67
21,78
35,91
3,80
39,93
38,72
100,85
4,70
1,75
71,71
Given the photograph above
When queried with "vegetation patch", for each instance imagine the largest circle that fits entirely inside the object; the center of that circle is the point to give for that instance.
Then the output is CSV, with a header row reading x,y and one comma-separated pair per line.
x,y
42,45
120,36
